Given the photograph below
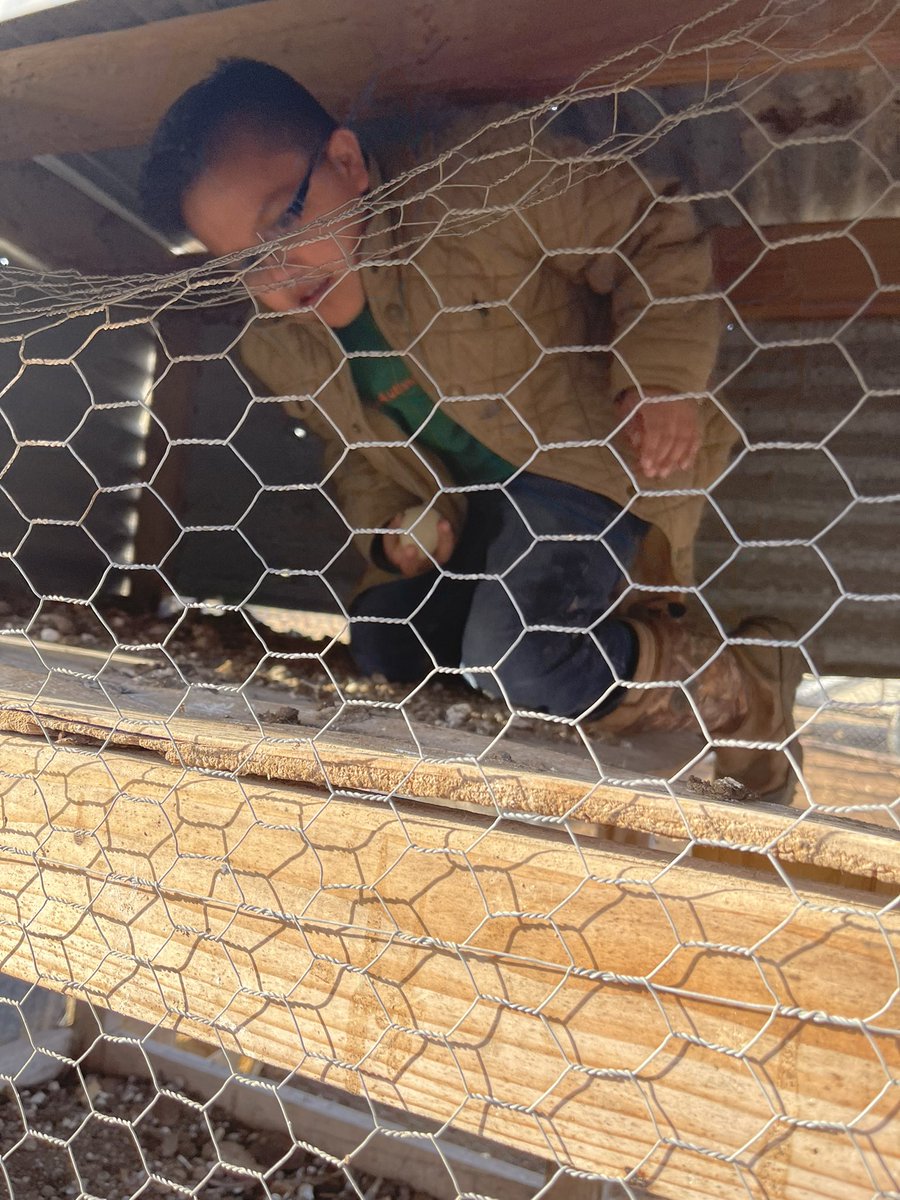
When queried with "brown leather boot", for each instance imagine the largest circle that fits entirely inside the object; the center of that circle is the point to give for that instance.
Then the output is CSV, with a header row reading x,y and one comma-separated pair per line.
x,y
742,690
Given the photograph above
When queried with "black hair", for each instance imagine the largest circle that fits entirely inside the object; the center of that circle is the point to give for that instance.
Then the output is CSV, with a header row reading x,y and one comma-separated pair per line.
x,y
240,93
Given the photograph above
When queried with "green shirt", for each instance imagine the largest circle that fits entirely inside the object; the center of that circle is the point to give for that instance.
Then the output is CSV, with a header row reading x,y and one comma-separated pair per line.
x,y
387,382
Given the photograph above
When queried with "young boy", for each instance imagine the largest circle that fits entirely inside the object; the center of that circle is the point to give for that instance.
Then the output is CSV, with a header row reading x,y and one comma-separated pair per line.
x,y
506,352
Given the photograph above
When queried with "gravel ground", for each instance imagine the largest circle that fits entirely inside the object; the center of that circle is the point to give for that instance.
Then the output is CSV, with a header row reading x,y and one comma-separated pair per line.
x,y
195,646
307,653
120,1138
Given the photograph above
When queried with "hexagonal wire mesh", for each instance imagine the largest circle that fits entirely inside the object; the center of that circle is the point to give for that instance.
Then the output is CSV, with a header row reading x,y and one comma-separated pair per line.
x,y
474,931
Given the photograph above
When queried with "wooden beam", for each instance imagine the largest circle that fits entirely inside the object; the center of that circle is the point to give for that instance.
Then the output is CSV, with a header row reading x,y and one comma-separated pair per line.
x,y
691,1030
55,100
819,271
222,737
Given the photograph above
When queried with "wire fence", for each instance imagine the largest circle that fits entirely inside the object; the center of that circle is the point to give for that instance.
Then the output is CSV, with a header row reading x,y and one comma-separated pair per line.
x,y
561,857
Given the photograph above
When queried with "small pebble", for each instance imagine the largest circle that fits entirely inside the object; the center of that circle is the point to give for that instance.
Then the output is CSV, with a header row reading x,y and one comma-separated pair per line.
x,y
169,1145
237,1155
457,714
282,714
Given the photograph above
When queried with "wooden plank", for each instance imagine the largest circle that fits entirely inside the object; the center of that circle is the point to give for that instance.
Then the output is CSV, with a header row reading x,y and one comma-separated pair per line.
x,y
811,272
224,739
863,785
590,1004
56,101
845,778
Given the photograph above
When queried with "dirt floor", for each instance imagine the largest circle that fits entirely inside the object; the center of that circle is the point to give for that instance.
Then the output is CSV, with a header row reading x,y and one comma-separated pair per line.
x,y
276,655
104,1138
231,649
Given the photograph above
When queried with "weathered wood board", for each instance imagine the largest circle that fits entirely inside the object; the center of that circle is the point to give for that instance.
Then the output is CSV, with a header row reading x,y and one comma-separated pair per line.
x,y
53,691
677,1025
807,272
390,53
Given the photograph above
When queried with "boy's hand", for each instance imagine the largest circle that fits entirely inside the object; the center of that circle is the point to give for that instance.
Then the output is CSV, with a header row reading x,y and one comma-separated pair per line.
x,y
408,557
665,437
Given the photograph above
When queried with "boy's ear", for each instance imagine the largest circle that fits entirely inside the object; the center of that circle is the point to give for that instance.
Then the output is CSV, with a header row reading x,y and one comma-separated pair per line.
x,y
346,157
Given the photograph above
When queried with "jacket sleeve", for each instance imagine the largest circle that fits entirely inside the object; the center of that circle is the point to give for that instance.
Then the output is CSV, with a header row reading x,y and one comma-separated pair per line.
x,y
637,242
361,491
605,226
362,483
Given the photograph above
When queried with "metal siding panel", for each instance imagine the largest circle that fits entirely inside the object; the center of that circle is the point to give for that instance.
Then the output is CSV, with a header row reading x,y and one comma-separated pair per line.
x,y
94,412
841,496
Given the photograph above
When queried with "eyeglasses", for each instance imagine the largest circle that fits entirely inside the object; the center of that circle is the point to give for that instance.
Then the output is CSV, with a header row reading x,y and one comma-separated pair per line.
x,y
289,219
288,222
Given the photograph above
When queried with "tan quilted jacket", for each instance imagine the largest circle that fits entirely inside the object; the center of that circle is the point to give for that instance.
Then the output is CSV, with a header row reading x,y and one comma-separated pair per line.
x,y
527,289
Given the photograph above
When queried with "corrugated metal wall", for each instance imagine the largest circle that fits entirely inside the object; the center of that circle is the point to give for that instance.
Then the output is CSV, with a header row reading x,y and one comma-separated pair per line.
x,y
71,433
295,530
836,501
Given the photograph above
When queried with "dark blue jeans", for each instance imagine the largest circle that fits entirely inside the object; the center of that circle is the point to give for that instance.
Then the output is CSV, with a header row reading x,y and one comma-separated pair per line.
x,y
520,608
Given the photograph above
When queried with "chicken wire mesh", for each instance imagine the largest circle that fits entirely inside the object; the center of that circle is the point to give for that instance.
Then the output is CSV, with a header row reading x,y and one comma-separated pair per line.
x,y
330,930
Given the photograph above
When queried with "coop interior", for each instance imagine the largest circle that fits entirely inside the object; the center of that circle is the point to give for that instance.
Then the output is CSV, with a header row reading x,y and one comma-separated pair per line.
x,y
274,928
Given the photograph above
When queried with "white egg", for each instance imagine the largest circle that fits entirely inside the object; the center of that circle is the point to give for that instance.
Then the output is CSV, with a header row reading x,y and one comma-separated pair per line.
x,y
422,524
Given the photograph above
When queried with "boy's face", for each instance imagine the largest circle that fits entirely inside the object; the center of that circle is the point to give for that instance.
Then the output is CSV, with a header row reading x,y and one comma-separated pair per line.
x,y
243,198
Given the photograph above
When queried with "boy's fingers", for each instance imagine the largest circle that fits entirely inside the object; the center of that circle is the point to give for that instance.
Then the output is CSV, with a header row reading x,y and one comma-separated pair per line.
x,y
446,541
673,453
414,562
634,431
409,558
653,449
673,441
404,557
680,456
689,456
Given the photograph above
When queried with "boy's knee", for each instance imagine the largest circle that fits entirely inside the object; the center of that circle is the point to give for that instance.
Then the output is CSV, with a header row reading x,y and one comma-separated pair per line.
x,y
528,673
560,673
